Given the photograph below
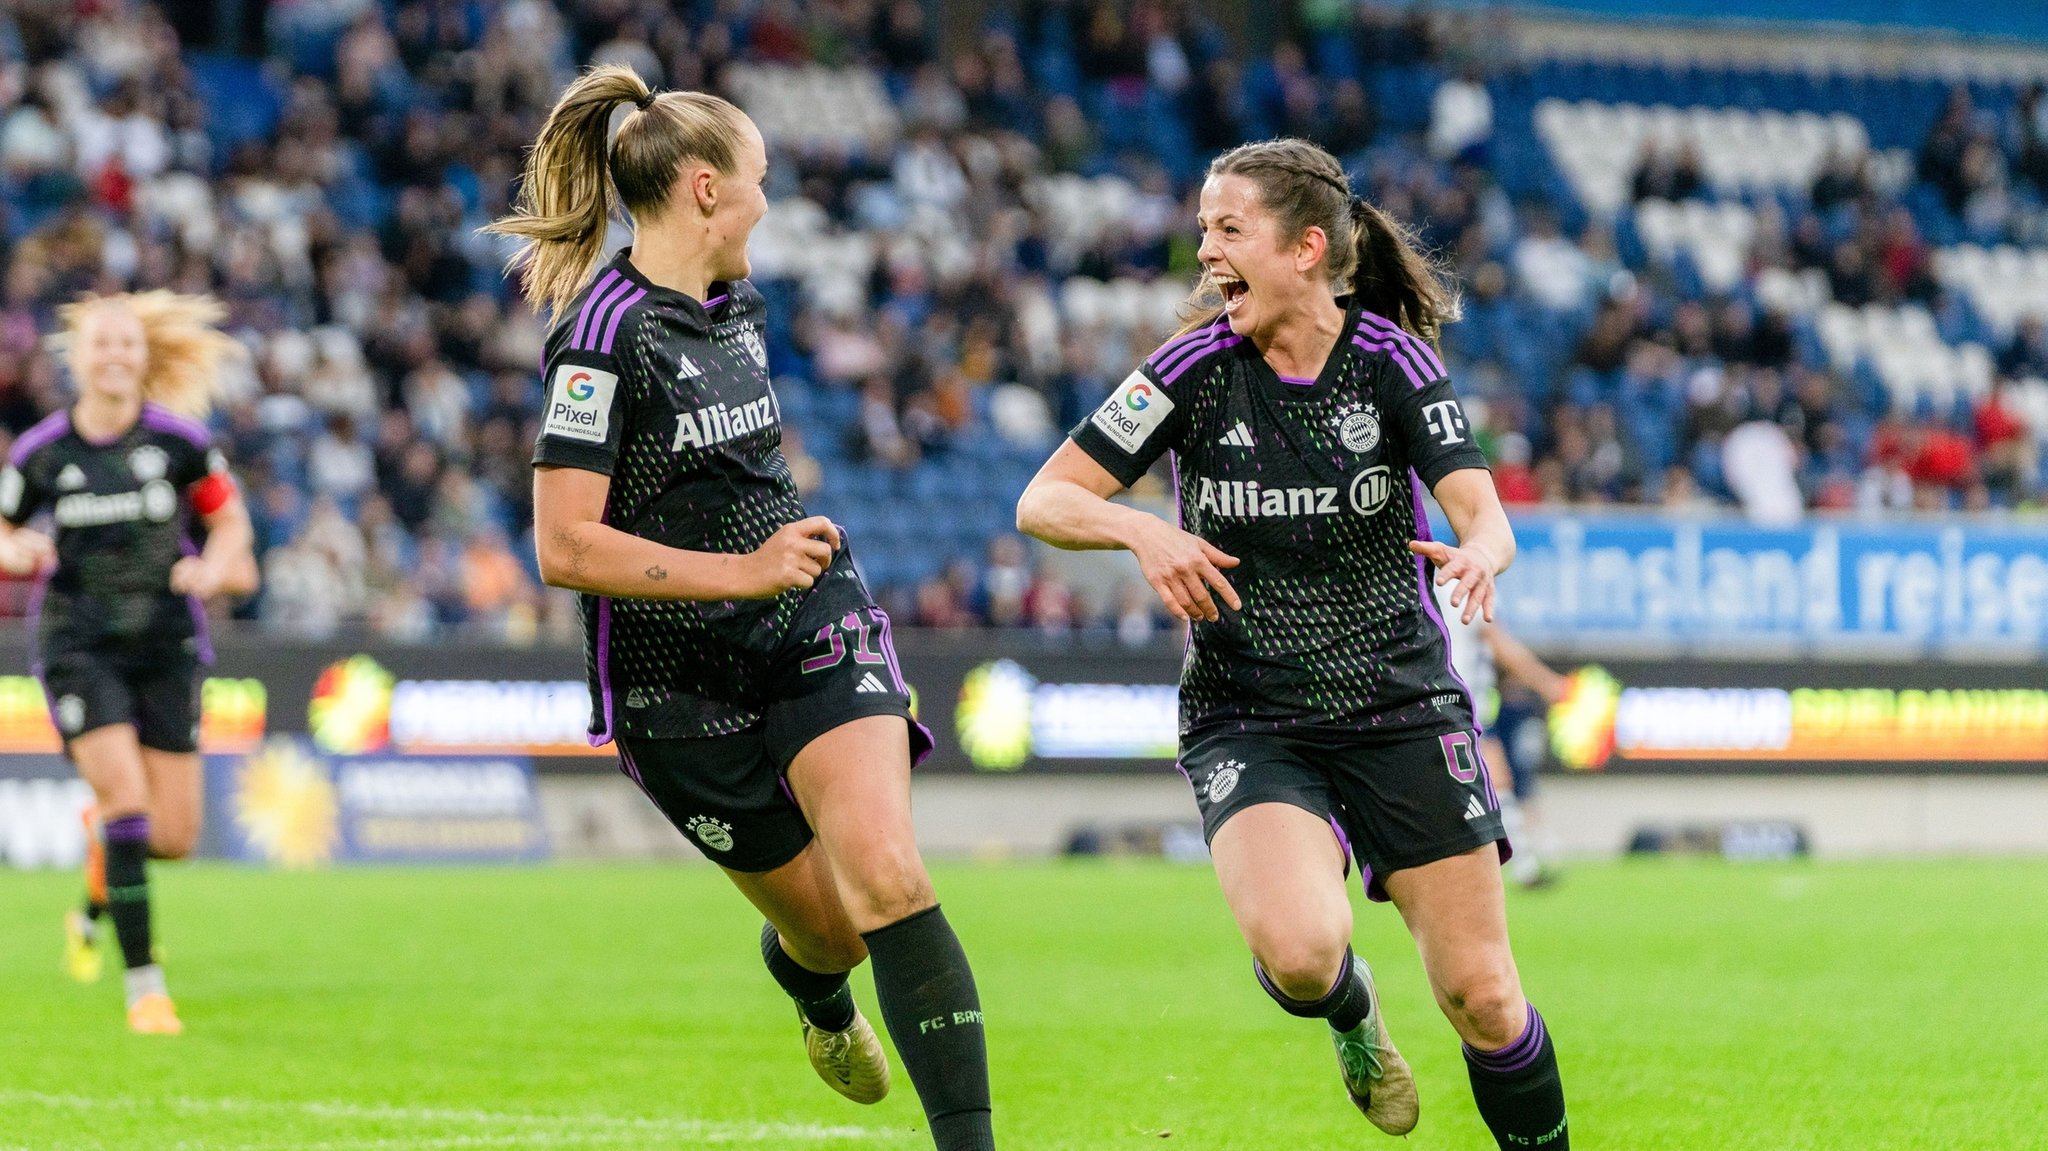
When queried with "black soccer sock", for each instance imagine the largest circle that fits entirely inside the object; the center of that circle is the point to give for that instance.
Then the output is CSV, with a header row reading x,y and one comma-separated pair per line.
x,y
128,886
1518,1090
933,1013
824,998
94,909
1345,1005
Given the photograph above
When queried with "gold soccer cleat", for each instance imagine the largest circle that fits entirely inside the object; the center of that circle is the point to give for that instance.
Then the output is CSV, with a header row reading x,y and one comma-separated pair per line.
x,y
1375,1076
850,1062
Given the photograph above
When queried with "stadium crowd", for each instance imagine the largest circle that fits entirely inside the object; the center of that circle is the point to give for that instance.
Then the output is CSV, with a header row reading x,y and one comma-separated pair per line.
x,y
330,193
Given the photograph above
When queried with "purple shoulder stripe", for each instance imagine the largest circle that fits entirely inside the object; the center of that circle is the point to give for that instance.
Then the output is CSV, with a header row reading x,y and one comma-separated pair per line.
x,y
604,312
1180,343
619,313
160,419
41,433
604,284
1426,355
1394,352
1195,346
1199,356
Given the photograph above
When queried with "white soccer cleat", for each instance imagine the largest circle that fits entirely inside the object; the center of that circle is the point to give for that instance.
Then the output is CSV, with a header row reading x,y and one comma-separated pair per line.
x,y
1375,1076
850,1062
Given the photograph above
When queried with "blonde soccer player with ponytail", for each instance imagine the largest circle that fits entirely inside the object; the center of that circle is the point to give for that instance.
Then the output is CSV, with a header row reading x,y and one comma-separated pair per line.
x,y
735,659
127,473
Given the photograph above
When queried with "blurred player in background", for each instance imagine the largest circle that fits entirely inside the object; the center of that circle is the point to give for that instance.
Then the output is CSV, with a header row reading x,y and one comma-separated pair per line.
x,y
734,654
1319,710
1484,653
120,620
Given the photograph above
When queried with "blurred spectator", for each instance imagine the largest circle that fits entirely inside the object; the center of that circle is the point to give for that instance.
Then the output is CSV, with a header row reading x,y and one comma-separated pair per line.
x,y
2005,446
1461,119
1004,582
2027,353
1667,175
1761,464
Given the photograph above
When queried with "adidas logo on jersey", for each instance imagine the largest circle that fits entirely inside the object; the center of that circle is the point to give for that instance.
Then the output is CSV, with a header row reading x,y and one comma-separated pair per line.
x,y
686,368
71,478
1472,808
709,427
870,683
1237,437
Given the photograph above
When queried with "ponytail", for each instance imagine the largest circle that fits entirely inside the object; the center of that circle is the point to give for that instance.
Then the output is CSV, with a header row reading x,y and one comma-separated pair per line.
x,y
1371,257
575,184
1394,279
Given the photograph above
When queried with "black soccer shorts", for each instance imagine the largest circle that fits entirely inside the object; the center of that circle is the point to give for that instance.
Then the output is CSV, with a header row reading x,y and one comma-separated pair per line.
x,y
1391,805
728,793
154,686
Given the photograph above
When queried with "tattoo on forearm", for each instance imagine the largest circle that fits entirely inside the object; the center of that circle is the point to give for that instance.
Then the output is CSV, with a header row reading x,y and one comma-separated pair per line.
x,y
657,572
577,550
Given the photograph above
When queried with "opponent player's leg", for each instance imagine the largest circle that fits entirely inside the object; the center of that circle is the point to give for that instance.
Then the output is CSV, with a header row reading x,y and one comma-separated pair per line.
x,y
1282,872
110,760
853,784
1524,866
1456,910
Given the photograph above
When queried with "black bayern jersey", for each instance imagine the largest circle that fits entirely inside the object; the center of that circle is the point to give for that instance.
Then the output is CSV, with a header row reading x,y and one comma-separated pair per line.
x,y
123,518
670,398
1316,486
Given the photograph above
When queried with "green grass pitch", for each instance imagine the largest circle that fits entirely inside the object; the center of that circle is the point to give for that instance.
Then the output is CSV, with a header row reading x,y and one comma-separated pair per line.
x,y
1697,1004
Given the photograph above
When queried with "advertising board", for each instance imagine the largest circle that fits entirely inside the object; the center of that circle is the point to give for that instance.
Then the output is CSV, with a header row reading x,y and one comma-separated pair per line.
x,y
1829,588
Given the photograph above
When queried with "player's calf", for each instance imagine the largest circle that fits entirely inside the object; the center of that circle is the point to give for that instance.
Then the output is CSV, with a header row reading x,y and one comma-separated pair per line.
x,y
1518,1090
933,1011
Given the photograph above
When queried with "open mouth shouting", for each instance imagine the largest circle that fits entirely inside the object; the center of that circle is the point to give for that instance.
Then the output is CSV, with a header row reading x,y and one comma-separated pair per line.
x,y
1234,290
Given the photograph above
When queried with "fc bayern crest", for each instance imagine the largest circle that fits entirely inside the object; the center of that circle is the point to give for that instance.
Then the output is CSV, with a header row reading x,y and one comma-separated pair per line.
x,y
751,339
148,462
1358,427
1224,780
715,834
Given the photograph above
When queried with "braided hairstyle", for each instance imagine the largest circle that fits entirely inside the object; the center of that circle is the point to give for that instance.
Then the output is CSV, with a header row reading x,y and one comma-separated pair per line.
x,y
1371,257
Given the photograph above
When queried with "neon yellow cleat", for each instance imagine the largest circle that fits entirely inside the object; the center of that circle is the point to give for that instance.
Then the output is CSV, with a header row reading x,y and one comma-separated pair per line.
x,y
154,1014
82,958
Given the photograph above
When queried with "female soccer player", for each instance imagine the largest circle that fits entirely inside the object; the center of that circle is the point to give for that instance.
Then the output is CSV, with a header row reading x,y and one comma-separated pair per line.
x,y
1318,708
734,656
122,634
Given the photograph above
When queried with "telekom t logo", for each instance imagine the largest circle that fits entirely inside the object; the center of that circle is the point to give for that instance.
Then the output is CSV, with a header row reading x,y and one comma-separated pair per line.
x,y
1446,421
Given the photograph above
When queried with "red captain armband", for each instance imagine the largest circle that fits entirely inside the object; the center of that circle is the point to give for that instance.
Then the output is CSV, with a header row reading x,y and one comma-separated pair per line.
x,y
212,493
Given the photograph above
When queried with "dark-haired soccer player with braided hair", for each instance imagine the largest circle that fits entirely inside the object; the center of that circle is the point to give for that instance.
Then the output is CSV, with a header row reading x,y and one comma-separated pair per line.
x,y
734,656
128,475
1306,412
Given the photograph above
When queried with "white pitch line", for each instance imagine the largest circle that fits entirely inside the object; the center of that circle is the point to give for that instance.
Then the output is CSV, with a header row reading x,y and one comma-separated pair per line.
x,y
533,1129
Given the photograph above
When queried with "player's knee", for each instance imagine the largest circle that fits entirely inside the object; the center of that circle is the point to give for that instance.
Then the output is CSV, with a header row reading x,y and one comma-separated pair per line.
x,y
1485,1006
1303,963
173,843
888,892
